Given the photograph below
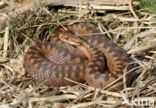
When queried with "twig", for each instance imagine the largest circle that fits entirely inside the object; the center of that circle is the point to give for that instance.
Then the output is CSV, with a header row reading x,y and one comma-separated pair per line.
x,y
51,99
139,49
5,47
82,105
128,45
131,9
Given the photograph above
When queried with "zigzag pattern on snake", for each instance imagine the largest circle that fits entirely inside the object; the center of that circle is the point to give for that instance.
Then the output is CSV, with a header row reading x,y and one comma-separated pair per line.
x,y
52,62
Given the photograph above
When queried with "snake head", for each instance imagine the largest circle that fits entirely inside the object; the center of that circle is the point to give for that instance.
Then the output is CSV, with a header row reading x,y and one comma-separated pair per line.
x,y
75,41
70,39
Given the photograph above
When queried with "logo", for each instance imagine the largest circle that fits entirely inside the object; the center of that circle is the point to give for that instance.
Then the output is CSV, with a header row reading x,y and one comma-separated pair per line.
x,y
140,102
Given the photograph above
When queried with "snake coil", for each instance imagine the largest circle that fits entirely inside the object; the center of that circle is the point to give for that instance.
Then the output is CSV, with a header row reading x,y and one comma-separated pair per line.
x,y
52,62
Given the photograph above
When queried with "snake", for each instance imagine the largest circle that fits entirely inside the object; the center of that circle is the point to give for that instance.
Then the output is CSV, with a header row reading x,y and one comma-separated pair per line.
x,y
81,54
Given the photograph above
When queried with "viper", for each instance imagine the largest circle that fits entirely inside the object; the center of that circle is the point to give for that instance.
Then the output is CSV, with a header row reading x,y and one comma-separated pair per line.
x,y
81,54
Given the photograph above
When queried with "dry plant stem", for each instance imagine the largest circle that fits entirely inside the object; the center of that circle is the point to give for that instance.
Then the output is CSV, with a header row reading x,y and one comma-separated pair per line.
x,y
58,22
9,68
109,85
26,96
128,19
82,95
94,4
128,45
152,89
31,4
125,95
96,91
3,60
117,104
2,4
5,46
2,81
108,7
149,57
83,85
103,103
51,99
115,94
101,27
142,64
131,9
140,49
139,85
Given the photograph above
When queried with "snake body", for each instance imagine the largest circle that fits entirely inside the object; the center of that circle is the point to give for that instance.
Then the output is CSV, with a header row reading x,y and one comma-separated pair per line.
x,y
53,62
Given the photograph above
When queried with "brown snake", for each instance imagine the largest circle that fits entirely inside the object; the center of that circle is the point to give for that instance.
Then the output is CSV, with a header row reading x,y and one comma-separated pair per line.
x,y
52,62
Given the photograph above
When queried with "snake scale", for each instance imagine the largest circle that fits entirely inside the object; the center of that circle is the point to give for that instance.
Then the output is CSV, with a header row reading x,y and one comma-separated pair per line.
x,y
52,62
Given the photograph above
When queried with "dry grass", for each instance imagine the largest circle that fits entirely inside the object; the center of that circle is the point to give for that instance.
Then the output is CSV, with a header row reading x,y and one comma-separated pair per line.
x,y
134,30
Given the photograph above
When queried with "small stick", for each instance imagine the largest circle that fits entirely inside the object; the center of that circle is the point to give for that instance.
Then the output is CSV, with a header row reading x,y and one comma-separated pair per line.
x,y
5,47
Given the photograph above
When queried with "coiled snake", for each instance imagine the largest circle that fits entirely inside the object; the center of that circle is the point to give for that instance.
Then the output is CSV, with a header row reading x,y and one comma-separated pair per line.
x,y
82,54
